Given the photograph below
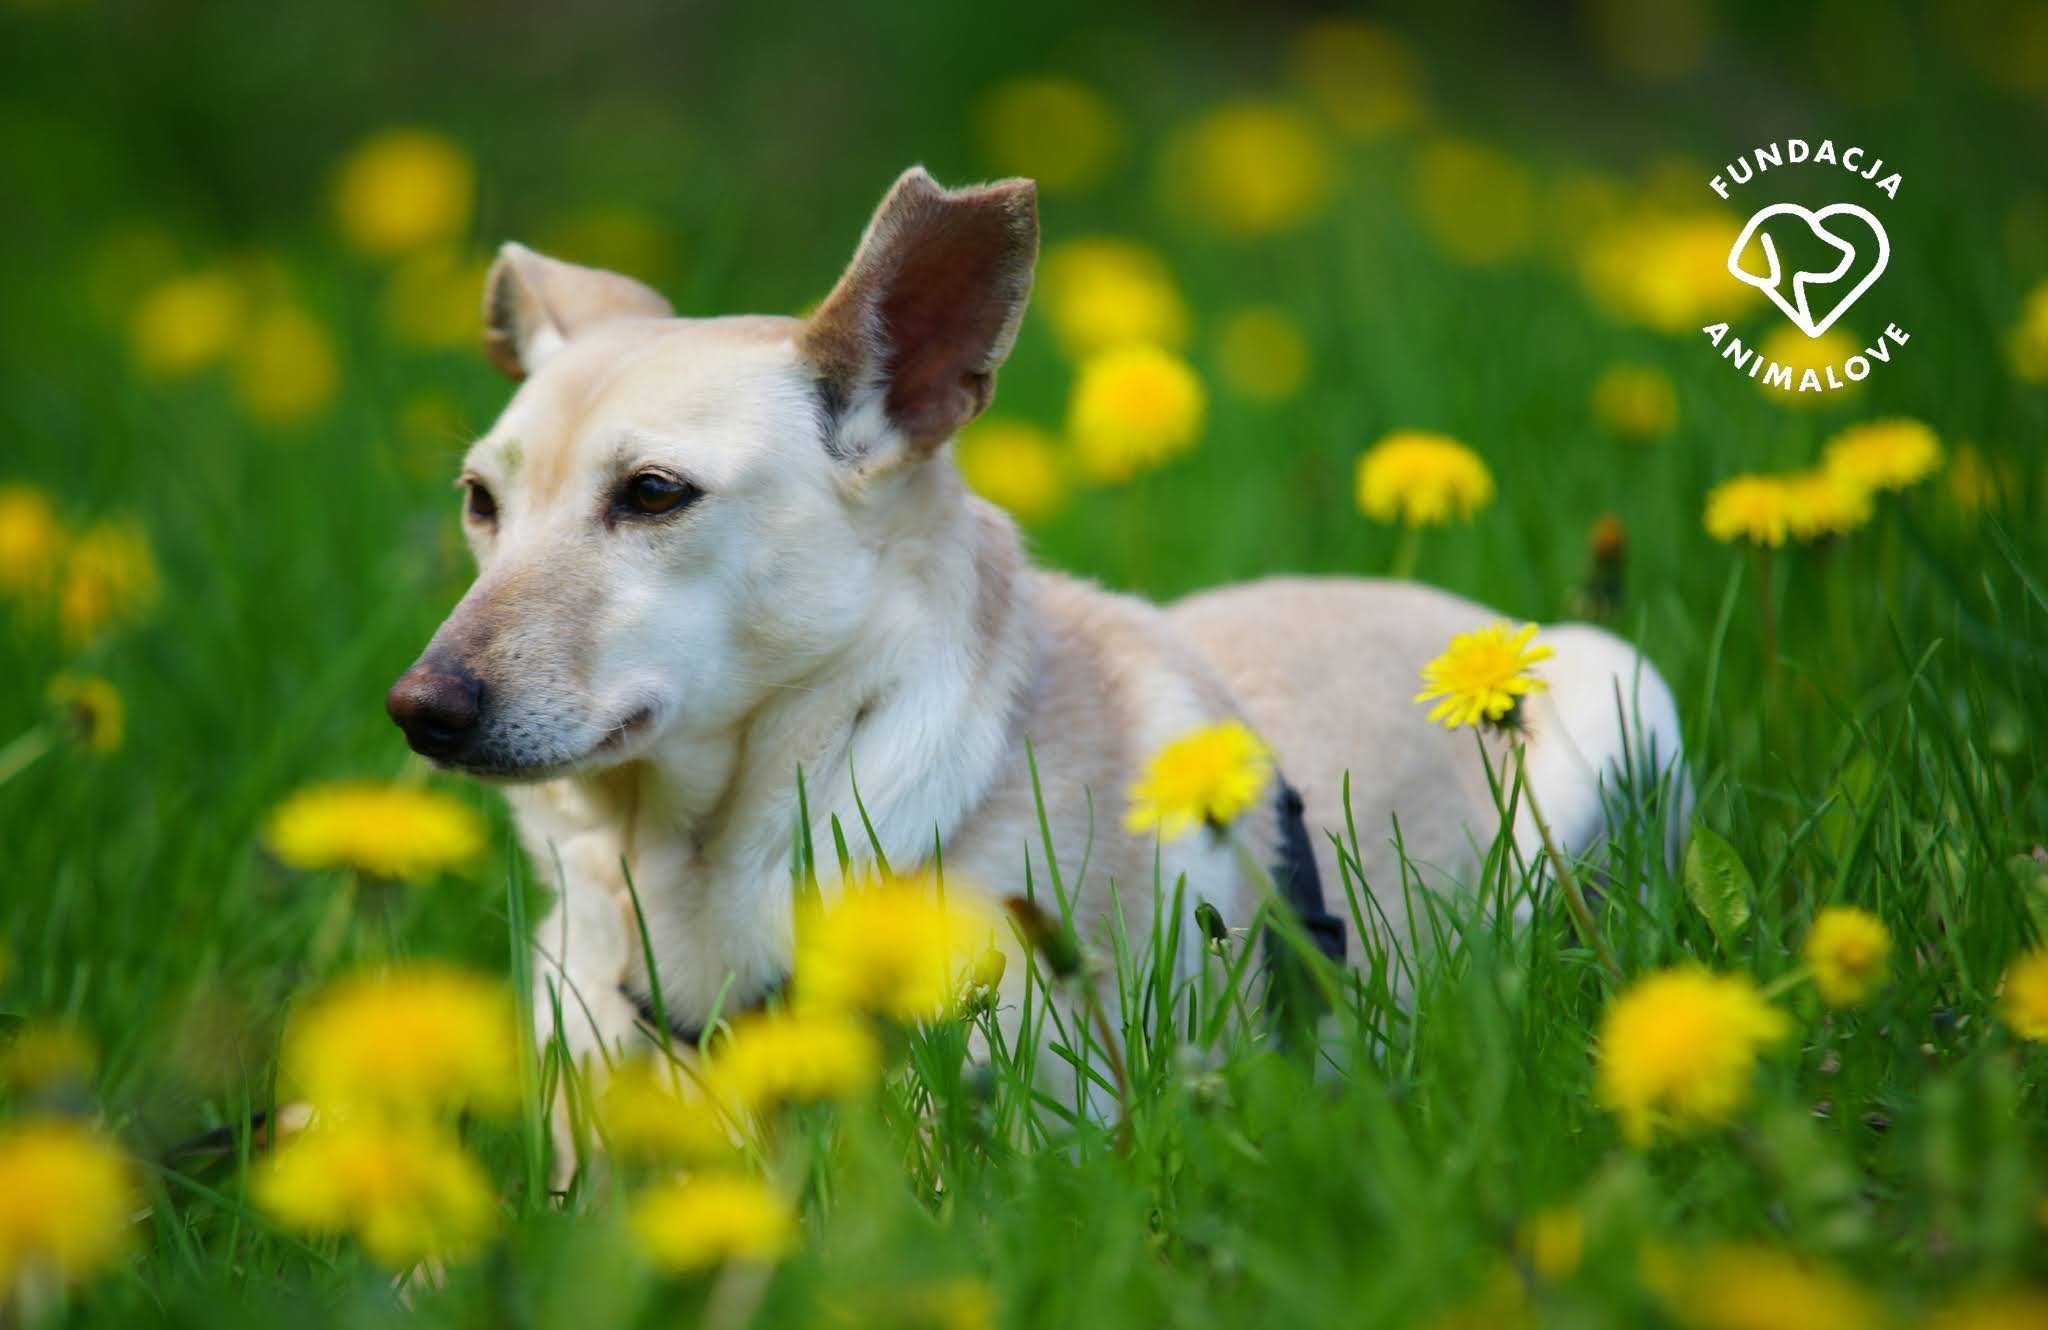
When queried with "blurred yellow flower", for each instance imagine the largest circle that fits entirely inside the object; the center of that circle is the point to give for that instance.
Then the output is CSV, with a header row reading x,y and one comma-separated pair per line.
x,y
1101,293
1422,479
897,949
1756,508
2013,1309
67,1206
648,1114
2026,345
615,237
1790,347
432,299
1477,203
1261,354
1884,454
1059,131
1577,203
110,580
1482,677
2023,996
1677,1050
1133,409
1655,43
1207,777
384,830
286,368
1755,1288
415,1039
1553,1241
1635,402
407,1189
187,323
1849,952
1665,270
1363,77
1249,169
401,190
91,710
1015,466
794,1057
31,541
1825,503
704,1221
44,1056
1977,484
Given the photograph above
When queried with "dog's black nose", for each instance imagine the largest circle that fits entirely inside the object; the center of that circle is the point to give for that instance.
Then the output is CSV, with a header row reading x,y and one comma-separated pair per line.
x,y
436,709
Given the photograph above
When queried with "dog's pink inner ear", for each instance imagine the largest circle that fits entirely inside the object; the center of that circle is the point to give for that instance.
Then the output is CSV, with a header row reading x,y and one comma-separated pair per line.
x,y
929,307
534,304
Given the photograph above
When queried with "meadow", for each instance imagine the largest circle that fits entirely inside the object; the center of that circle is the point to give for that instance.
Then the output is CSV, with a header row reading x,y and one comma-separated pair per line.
x,y
1801,1081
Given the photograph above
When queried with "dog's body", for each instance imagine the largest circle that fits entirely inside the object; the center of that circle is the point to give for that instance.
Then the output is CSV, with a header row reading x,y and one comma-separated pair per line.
x,y
715,553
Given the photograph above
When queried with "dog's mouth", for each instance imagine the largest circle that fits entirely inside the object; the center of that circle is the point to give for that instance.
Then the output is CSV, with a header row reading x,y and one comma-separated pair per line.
x,y
617,742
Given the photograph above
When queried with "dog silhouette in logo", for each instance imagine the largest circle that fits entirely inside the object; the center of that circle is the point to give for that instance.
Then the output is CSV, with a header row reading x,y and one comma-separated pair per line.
x,y
1773,281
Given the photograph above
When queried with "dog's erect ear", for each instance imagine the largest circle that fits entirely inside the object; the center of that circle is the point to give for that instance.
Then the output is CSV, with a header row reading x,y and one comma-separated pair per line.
x,y
927,310
534,304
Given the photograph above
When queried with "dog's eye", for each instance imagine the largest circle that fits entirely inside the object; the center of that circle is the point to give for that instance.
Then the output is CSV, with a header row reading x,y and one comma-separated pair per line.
x,y
651,494
482,507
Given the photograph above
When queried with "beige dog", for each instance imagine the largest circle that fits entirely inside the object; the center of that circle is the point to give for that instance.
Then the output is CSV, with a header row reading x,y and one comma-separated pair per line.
x,y
713,552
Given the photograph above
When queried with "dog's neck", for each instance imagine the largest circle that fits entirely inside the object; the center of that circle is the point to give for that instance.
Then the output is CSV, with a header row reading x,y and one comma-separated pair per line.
x,y
919,711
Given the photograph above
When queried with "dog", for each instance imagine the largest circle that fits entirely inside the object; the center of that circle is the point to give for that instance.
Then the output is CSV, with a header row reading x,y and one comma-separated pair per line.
x,y
716,552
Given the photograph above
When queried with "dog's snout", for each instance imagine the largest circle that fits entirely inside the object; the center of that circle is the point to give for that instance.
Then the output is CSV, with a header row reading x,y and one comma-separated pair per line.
x,y
437,708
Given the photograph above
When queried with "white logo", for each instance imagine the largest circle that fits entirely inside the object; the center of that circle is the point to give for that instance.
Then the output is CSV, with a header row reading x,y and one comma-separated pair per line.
x,y
1772,281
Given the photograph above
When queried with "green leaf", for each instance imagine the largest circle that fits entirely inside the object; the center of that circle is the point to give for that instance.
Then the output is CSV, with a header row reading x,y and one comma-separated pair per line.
x,y
1717,883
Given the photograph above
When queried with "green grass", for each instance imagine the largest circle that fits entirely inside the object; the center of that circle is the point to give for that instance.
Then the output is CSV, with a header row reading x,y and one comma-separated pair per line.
x,y
1893,756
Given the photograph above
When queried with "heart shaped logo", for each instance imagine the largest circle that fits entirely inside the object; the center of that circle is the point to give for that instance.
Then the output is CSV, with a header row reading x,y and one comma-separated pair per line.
x,y
1772,282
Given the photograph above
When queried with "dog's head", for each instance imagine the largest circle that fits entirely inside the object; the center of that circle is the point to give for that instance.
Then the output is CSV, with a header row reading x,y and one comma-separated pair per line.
x,y
675,516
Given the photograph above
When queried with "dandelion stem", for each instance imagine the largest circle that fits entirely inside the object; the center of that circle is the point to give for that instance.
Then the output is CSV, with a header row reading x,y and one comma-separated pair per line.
x,y
1766,611
1575,900
25,751
1407,553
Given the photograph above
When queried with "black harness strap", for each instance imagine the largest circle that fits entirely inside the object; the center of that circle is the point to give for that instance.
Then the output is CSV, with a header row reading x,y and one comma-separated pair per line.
x,y
1295,998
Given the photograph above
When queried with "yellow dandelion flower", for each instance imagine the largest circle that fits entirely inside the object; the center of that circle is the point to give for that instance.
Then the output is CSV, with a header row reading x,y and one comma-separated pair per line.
x,y
91,710
1790,347
31,541
1755,508
1755,1288
1977,484
1884,454
184,324
110,580
1364,78
2023,997
1059,131
2026,345
415,1039
1483,676
1665,270
1478,204
384,830
2013,1309
1250,169
1133,409
47,1055
1015,466
1553,1241
1421,479
1849,952
1261,354
1635,402
406,1190
1678,1049
401,190
1207,777
794,1057
432,298
647,1113
67,1206
1825,503
897,949
704,1221
286,368
1101,293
